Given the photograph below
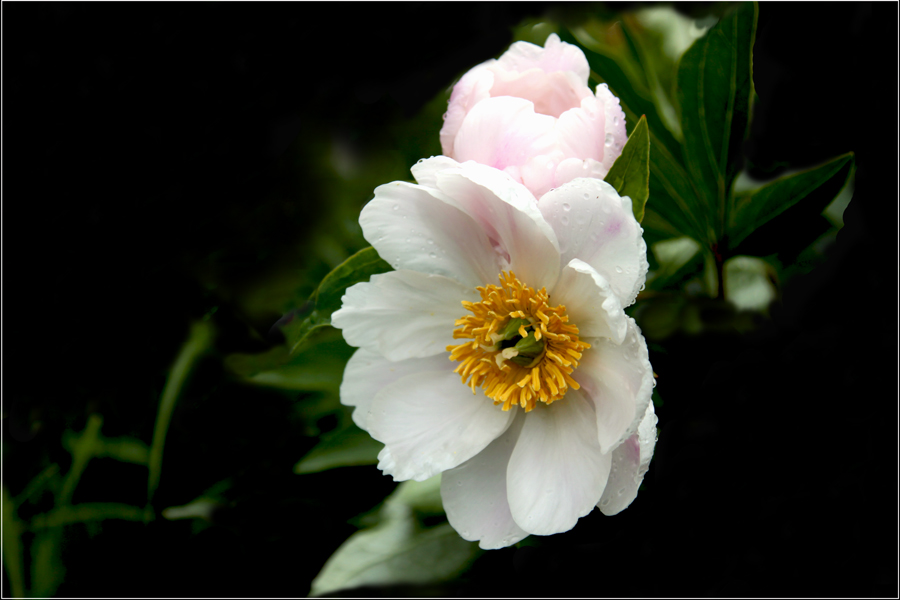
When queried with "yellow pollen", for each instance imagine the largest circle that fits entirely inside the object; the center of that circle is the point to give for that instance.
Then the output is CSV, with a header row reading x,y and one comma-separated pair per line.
x,y
547,348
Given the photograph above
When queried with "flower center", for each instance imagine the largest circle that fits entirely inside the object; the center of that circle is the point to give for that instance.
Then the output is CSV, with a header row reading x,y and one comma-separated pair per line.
x,y
522,349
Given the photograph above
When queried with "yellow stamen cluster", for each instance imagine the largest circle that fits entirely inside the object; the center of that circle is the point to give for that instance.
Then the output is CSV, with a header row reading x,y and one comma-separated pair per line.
x,y
483,362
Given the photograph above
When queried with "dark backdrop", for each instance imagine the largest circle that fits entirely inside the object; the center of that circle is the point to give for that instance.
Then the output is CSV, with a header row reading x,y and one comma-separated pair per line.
x,y
139,140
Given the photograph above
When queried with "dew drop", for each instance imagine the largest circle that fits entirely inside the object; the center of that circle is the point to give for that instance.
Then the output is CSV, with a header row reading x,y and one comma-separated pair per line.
x,y
615,120
420,161
605,502
566,207
618,269
433,255
430,241
586,196
396,207
622,491
565,220
609,140
459,482
408,240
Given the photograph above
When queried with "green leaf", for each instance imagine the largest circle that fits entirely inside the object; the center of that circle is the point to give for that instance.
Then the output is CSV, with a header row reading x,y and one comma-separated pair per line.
x,y
399,549
13,552
715,88
630,174
675,197
327,297
358,268
198,342
90,511
754,208
346,447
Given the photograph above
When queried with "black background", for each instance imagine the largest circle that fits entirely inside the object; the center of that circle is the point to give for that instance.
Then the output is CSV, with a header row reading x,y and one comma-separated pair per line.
x,y
138,140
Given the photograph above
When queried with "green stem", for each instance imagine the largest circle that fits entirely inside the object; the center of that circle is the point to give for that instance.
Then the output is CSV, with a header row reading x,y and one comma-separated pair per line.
x,y
199,340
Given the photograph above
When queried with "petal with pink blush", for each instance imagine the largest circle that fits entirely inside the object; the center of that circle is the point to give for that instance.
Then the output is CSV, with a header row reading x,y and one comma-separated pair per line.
x,y
507,212
551,93
471,89
594,224
630,462
503,131
556,55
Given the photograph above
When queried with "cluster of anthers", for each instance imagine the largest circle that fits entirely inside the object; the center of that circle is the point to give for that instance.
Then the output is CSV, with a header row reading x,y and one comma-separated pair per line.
x,y
522,349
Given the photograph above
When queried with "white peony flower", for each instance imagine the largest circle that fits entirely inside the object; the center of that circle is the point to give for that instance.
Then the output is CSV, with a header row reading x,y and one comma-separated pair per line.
x,y
498,352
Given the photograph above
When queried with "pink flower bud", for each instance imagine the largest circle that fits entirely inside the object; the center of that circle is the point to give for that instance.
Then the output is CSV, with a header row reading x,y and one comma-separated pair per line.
x,y
531,114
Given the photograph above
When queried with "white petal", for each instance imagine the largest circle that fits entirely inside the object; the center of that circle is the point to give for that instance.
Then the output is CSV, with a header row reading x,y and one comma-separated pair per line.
x,y
425,171
412,228
556,472
403,314
508,213
431,422
367,372
615,126
573,168
590,302
630,462
474,493
619,381
556,55
593,223
503,131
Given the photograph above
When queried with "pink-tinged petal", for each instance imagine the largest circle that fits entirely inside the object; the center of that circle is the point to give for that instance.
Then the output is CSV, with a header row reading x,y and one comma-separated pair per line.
x,y
474,494
367,372
557,471
508,213
412,228
430,422
630,462
618,379
584,132
503,131
556,55
593,223
471,89
402,314
615,134
425,171
551,93
539,173
573,168
590,302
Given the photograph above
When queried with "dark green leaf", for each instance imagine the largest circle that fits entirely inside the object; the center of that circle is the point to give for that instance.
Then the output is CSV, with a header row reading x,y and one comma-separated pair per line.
x,y
344,448
327,297
13,552
675,198
754,208
630,174
715,87
358,268
90,511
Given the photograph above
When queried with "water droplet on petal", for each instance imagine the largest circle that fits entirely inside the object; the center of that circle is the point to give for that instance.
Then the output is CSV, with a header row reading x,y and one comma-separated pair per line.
x,y
586,196
433,255
609,138
396,207
565,220
618,269
430,241
566,206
